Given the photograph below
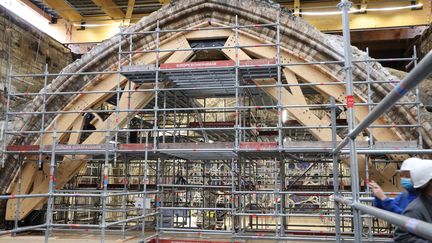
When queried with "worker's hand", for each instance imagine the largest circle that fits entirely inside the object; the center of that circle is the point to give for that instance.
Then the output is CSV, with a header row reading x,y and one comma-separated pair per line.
x,y
377,191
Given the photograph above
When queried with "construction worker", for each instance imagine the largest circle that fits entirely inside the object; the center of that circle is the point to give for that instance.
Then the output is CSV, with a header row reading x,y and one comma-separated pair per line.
x,y
421,207
398,204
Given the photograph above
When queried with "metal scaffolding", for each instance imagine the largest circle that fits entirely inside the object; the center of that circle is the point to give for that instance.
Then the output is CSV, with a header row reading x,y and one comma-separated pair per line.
x,y
210,152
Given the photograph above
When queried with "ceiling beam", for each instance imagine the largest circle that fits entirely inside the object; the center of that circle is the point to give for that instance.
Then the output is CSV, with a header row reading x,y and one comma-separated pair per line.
x,y
387,34
130,8
297,7
63,9
37,9
110,8
363,5
327,24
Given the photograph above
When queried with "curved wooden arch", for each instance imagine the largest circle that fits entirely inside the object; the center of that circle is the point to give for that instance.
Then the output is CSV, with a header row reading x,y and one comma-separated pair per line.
x,y
300,42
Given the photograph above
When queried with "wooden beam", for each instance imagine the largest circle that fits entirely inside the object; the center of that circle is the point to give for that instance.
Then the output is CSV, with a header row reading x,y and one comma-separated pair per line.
x,y
108,83
297,7
208,34
37,9
82,102
304,115
110,8
67,169
41,175
66,11
363,5
295,90
75,137
311,74
182,43
387,35
332,24
164,2
29,174
369,20
70,166
129,12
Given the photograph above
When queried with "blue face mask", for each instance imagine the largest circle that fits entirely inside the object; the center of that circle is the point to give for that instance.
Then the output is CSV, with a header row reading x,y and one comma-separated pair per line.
x,y
406,183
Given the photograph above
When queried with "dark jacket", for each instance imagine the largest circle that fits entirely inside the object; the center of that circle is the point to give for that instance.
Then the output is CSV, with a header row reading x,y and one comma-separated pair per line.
x,y
420,209
398,204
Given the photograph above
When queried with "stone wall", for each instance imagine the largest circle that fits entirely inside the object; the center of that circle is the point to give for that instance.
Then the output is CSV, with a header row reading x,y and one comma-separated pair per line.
x,y
27,49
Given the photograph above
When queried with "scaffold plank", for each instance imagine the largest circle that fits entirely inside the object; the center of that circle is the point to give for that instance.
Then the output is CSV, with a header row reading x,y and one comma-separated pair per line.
x,y
359,144
137,147
215,64
77,148
197,65
60,148
258,146
199,151
22,148
206,34
196,146
212,124
191,241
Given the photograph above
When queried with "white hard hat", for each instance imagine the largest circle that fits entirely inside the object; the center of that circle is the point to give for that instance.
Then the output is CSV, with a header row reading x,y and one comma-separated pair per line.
x,y
409,164
421,174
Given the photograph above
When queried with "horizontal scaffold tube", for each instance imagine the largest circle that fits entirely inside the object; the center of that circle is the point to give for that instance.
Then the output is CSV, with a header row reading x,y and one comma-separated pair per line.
x,y
418,74
411,225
